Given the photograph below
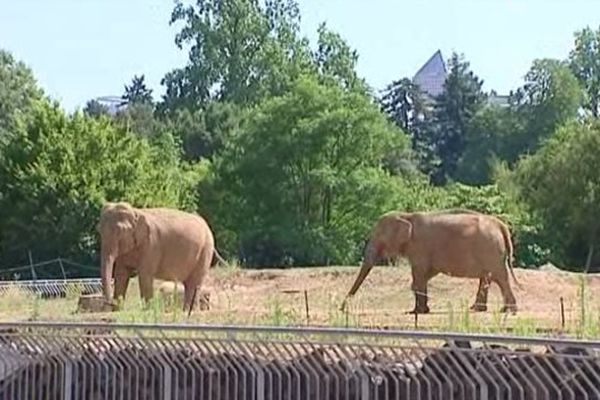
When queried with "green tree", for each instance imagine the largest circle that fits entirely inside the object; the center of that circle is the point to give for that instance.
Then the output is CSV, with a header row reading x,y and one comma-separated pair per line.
x,y
403,102
93,108
549,97
303,179
57,170
561,184
493,135
139,118
584,60
405,105
454,108
18,89
239,51
335,60
137,92
203,133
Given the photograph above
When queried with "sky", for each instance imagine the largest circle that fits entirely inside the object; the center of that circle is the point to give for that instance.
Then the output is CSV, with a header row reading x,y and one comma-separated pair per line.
x,y
81,49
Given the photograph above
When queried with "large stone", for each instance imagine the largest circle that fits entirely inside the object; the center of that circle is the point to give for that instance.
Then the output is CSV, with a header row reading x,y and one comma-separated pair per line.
x,y
172,293
93,303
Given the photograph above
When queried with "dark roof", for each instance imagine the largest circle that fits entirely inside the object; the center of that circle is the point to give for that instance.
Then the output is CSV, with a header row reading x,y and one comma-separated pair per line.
x,y
432,75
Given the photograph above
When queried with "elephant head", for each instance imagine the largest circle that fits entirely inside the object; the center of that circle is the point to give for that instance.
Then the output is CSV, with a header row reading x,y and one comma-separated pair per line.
x,y
389,239
122,229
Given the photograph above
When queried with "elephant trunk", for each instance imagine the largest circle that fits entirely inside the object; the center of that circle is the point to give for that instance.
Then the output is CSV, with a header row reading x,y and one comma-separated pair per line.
x,y
107,261
367,265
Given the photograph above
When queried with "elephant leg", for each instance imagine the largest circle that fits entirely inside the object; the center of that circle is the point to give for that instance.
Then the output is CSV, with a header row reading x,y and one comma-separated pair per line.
x,y
121,282
146,270
194,282
189,291
419,287
482,294
146,286
510,303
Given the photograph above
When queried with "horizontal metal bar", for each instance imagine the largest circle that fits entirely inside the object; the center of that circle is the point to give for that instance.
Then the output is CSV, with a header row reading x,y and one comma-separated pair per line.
x,y
258,329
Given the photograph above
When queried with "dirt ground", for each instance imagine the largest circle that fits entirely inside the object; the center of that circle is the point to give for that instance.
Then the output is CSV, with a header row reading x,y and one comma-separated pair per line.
x,y
302,296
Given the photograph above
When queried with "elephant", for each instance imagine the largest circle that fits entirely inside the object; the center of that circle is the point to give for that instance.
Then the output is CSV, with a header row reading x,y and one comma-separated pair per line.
x,y
161,243
458,242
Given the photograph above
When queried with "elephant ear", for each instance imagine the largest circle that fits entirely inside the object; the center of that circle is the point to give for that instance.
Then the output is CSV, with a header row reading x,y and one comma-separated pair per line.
x,y
106,207
106,214
402,229
141,231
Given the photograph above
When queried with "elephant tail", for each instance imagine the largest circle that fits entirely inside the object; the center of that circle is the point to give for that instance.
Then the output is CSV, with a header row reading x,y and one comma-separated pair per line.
x,y
220,258
193,301
509,250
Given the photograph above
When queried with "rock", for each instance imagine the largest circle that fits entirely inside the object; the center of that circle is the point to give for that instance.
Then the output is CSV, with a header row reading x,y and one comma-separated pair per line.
x,y
93,303
172,294
203,299
549,267
263,275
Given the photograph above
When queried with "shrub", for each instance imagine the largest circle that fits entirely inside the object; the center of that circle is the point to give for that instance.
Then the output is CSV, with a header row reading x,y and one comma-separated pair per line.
x,y
57,170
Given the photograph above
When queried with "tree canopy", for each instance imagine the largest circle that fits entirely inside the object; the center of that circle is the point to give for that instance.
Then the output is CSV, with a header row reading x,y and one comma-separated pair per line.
x,y
560,182
57,170
295,177
289,153
18,89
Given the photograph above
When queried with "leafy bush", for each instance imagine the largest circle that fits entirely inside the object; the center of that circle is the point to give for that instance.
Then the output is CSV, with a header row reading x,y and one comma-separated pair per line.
x,y
559,184
57,170
303,179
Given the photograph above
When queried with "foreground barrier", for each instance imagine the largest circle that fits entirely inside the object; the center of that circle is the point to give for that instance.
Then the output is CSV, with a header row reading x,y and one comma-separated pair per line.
x,y
120,361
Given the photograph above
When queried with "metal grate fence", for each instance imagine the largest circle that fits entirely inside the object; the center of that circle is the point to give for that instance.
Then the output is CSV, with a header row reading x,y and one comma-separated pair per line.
x,y
121,361
50,288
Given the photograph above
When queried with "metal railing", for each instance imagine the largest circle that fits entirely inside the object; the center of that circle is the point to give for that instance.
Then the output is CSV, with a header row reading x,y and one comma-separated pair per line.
x,y
49,288
124,361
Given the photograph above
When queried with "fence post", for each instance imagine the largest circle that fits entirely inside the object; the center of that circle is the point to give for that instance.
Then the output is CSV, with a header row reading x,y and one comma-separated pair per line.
x,y
62,268
259,382
68,380
167,381
33,274
364,385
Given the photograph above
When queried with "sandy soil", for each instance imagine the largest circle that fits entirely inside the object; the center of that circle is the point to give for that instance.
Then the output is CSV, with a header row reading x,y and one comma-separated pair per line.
x,y
278,296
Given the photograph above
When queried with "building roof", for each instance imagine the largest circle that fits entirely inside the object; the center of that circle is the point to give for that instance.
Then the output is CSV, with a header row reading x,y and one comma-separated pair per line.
x,y
498,100
113,103
432,75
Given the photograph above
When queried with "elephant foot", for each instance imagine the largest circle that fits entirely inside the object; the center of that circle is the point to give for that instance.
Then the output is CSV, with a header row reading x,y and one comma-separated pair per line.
x,y
509,308
478,307
419,310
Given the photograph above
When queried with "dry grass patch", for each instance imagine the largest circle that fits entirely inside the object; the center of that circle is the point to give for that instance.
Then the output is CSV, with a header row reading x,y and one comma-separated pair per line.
x,y
277,297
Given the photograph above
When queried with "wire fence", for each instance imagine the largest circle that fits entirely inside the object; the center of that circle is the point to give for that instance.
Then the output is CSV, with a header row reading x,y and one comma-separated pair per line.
x,y
52,288
58,267
42,360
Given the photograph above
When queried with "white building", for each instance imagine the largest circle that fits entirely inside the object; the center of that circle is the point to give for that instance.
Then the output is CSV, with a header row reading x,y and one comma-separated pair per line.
x,y
114,104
